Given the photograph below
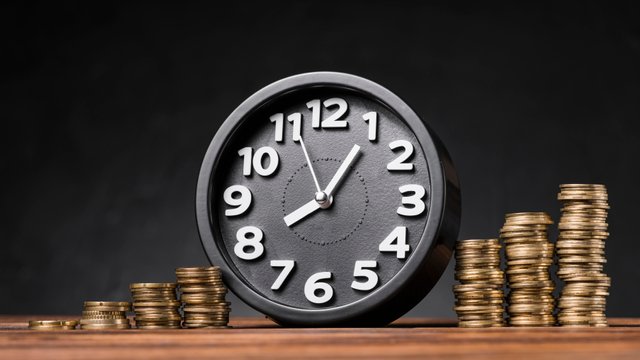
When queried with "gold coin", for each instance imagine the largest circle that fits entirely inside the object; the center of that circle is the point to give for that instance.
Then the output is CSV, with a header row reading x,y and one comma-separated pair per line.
x,y
107,304
172,303
103,321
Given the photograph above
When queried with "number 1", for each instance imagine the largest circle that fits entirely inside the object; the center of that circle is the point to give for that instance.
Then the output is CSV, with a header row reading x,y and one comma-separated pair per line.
x,y
372,119
296,119
314,106
278,119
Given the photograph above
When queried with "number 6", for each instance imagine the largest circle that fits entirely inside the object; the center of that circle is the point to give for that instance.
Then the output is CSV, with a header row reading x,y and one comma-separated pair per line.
x,y
313,284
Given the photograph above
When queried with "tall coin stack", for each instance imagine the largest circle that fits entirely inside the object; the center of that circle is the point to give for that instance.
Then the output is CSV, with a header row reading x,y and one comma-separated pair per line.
x,y
529,255
479,295
156,305
203,295
580,247
105,315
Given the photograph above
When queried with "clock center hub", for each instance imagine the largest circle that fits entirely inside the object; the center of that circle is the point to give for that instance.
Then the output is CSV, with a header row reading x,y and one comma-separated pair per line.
x,y
323,200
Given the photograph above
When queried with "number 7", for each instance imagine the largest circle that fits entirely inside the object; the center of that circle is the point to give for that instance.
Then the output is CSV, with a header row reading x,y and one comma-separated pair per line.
x,y
287,267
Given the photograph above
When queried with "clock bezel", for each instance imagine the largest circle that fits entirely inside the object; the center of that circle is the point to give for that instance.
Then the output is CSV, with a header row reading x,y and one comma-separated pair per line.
x,y
422,268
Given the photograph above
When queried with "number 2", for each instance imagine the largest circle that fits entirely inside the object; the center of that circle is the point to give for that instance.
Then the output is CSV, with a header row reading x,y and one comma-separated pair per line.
x,y
399,163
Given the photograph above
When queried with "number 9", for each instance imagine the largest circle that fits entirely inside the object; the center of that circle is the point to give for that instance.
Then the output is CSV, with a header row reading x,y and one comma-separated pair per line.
x,y
241,203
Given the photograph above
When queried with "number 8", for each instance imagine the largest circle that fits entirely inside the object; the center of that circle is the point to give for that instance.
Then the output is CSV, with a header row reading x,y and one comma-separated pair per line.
x,y
253,242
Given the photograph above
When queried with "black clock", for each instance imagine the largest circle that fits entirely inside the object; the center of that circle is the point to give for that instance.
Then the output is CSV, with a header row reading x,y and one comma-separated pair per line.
x,y
327,201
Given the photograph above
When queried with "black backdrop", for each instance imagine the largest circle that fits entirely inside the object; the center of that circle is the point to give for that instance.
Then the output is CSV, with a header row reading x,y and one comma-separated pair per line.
x,y
107,112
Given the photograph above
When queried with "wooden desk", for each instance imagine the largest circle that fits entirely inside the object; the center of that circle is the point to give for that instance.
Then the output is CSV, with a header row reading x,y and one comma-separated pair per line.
x,y
260,338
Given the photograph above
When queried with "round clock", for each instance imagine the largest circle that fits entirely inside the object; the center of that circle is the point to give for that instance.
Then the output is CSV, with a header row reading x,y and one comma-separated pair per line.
x,y
327,201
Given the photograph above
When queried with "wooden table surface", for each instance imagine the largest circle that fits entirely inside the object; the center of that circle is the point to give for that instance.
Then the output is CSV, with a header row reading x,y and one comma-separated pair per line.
x,y
260,338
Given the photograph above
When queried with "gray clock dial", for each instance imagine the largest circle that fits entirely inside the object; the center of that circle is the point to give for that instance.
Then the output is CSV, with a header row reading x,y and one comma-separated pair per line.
x,y
364,210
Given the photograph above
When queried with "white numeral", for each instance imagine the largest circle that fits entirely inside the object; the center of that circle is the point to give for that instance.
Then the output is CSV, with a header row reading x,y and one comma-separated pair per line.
x,y
362,270
314,284
399,162
372,119
242,202
278,119
245,154
296,120
314,106
334,121
417,193
287,267
253,242
396,242
258,159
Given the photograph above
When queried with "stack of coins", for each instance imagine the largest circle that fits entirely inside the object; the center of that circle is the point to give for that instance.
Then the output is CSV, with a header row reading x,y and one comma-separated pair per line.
x,y
529,255
53,324
105,315
203,295
156,305
580,247
479,295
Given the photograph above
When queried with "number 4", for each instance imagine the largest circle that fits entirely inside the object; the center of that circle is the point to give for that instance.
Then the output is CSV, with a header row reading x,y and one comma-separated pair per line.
x,y
396,242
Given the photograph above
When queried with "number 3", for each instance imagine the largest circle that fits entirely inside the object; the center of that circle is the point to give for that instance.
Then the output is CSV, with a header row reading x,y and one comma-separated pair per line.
x,y
414,199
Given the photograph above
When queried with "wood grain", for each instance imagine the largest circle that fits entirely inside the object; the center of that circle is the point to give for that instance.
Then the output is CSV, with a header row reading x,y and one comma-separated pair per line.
x,y
260,338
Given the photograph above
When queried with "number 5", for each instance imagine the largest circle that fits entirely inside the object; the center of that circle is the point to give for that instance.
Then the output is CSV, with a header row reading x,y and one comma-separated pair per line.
x,y
361,270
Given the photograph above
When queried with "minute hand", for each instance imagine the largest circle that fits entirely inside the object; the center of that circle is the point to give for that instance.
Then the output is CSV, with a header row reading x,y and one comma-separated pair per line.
x,y
341,170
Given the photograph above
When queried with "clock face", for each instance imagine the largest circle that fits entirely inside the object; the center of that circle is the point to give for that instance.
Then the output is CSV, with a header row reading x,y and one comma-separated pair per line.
x,y
317,199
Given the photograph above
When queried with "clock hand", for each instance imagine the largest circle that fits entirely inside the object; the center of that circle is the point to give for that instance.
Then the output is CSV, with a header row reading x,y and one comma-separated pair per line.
x,y
313,174
341,171
302,212
323,199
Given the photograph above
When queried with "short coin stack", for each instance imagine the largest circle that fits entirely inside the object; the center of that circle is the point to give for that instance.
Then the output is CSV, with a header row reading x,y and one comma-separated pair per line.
x,y
479,295
580,247
529,255
105,315
53,324
203,294
156,305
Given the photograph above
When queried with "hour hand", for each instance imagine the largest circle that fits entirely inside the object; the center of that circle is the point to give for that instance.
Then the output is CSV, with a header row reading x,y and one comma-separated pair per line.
x,y
302,212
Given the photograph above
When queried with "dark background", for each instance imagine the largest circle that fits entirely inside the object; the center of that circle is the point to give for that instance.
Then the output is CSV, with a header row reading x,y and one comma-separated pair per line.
x,y
106,112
